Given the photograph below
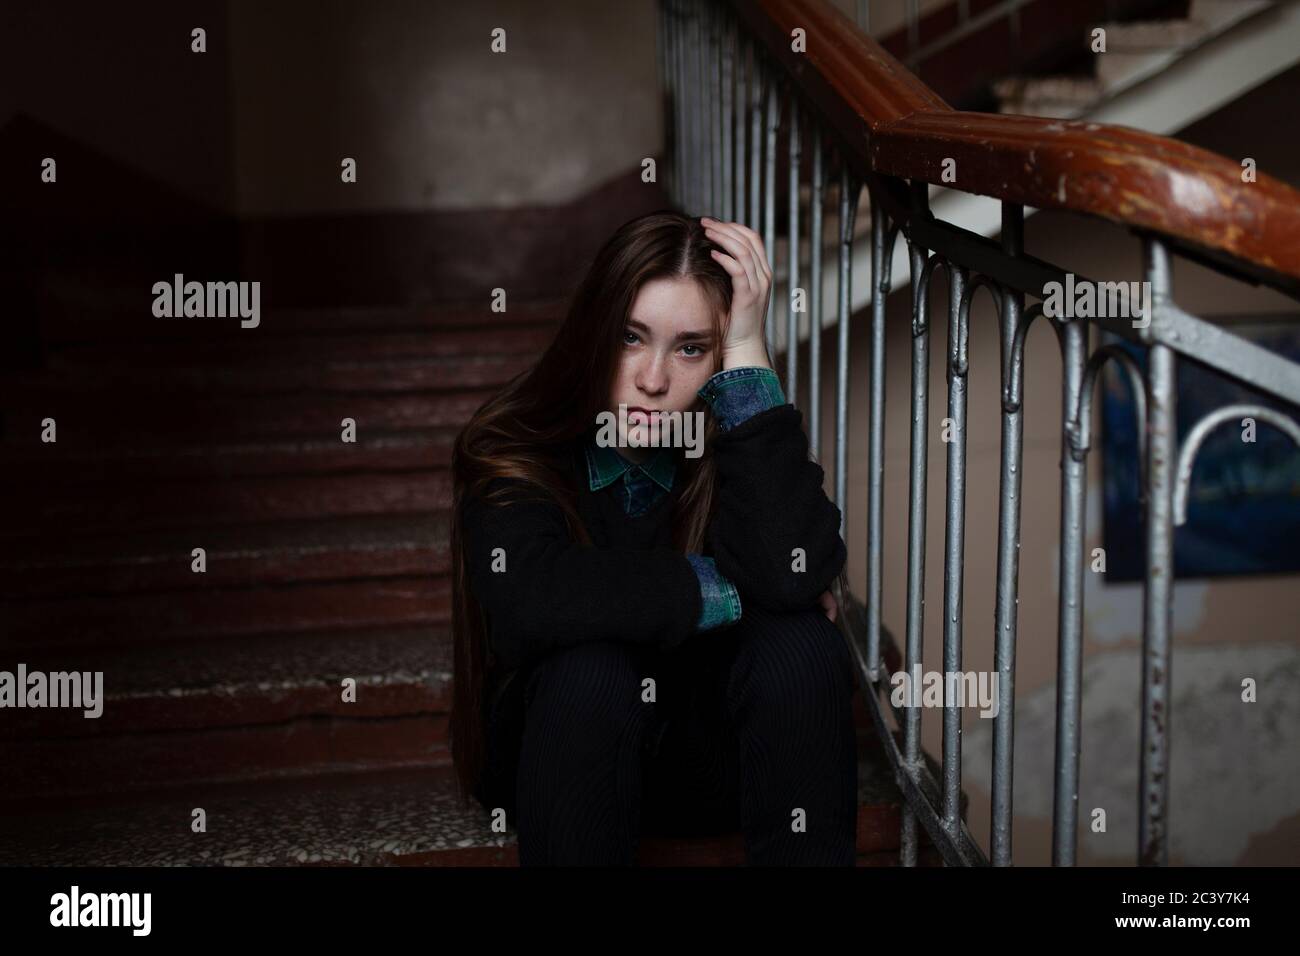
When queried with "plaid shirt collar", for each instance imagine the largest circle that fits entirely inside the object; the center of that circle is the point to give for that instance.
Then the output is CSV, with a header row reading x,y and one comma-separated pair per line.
x,y
606,466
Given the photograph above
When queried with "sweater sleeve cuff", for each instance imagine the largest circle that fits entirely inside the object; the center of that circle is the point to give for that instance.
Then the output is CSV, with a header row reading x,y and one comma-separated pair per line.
x,y
719,600
738,394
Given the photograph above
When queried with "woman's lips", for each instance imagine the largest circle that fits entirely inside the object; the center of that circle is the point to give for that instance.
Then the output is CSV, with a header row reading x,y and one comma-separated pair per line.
x,y
639,416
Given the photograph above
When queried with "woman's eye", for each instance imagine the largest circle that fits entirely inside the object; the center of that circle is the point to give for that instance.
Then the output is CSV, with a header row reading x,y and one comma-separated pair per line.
x,y
698,350
629,338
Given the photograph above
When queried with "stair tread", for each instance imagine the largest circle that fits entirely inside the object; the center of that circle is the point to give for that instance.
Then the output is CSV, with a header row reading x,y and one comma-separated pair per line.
x,y
126,619
249,347
402,816
349,532
274,552
85,314
271,664
134,507
270,373
126,418
260,680
374,450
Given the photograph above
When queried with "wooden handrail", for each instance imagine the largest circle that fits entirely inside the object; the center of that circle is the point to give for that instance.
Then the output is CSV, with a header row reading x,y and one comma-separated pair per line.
x,y
892,124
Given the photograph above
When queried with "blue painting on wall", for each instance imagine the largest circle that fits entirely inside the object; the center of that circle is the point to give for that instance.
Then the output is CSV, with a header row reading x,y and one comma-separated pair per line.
x,y
1243,510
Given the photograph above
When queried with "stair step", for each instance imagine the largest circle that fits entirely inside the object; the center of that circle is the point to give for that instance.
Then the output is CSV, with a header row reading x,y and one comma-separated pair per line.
x,y
263,707
280,552
1134,35
251,708
409,816
1135,51
88,312
180,618
249,347
129,508
49,772
1054,97
325,561
272,376
132,418
373,451
245,707
270,679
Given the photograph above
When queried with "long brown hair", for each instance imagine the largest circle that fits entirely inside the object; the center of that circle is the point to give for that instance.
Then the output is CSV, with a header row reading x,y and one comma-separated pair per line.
x,y
525,431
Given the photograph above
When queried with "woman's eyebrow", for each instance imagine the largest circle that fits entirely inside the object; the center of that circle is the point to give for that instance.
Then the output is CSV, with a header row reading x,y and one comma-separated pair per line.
x,y
693,335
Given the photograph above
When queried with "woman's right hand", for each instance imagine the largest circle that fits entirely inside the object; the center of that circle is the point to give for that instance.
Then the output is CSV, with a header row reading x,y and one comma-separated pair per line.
x,y
745,260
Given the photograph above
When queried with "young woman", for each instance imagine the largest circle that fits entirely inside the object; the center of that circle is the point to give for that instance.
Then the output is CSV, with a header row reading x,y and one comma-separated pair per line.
x,y
643,633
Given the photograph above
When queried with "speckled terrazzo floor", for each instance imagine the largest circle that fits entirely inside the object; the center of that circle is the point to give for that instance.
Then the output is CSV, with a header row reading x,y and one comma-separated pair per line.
x,y
408,816
373,818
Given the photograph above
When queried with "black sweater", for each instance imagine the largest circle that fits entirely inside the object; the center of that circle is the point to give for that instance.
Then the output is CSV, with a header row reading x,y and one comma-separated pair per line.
x,y
631,584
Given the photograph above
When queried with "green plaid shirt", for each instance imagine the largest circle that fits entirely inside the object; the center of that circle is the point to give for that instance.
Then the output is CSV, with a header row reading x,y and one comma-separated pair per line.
x,y
733,395
641,485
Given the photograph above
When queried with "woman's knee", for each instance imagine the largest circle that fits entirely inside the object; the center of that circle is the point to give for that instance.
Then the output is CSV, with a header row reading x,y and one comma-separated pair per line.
x,y
594,686
793,656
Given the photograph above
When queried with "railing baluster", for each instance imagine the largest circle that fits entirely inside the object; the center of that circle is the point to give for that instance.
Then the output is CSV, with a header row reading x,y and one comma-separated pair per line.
x,y
792,268
701,112
706,111
772,123
694,95
714,88
815,298
916,518
1008,584
757,77
740,115
881,262
727,44
954,539
1074,476
848,211
1162,453
676,48
661,71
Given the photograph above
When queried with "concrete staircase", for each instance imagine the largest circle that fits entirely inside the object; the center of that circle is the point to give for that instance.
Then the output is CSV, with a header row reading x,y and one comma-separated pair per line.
x,y
325,560
1135,51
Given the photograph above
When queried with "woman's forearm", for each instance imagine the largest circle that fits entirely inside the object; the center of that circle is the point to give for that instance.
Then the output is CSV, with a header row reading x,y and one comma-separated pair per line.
x,y
775,533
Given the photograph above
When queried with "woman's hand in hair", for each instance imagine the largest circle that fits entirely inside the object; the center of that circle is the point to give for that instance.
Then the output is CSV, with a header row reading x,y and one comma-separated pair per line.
x,y
745,260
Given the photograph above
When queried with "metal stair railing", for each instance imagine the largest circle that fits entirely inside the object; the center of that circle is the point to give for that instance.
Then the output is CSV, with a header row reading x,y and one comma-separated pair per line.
x,y
727,69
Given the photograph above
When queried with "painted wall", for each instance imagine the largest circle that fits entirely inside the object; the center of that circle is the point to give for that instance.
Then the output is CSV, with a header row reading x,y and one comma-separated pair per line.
x,y
434,118
128,86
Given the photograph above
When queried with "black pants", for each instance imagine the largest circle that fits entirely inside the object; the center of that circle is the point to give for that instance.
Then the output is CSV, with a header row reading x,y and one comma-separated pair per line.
x,y
751,729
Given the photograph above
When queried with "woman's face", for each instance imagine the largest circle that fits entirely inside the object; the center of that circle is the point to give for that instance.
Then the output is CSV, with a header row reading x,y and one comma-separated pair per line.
x,y
668,354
